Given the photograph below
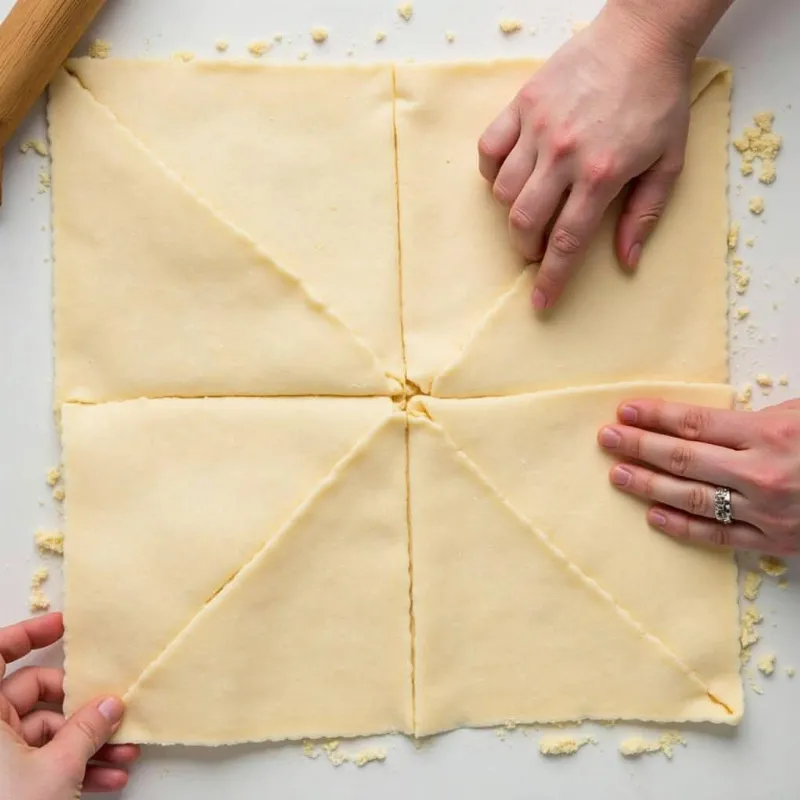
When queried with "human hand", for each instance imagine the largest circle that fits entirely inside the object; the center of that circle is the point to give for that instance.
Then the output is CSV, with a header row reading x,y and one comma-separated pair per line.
x,y
42,755
611,107
694,450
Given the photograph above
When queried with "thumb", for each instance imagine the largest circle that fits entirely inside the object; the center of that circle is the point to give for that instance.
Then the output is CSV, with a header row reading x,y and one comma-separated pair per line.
x,y
85,732
643,208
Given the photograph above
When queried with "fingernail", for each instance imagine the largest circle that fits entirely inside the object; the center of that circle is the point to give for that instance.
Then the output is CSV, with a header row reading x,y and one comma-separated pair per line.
x,y
112,709
609,438
628,414
620,476
539,300
657,518
634,254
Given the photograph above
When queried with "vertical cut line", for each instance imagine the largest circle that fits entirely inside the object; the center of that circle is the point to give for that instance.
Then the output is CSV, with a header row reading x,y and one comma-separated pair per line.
x,y
401,297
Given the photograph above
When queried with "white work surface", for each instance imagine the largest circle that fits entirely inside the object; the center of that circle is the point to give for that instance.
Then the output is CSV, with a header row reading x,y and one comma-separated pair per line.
x,y
762,41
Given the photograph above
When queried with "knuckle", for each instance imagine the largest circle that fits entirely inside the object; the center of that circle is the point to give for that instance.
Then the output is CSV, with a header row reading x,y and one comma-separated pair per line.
x,y
564,242
693,423
680,459
648,484
89,732
529,95
599,171
697,501
780,433
562,144
672,169
772,483
488,148
719,535
521,220
502,193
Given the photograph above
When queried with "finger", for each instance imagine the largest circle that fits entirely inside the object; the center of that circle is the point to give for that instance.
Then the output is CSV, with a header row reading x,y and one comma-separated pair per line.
x,y
696,530
104,779
498,140
516,170
535,208
691,496
31,685
16,641
87,730
698,460
572,232
643,207
693,423
39,727
123,755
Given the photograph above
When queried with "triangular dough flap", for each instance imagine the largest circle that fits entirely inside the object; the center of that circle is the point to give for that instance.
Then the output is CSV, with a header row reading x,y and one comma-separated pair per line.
x,y
155,296
324,610
504,630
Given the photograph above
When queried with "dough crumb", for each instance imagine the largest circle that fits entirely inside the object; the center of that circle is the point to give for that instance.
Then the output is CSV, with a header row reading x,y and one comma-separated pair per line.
x,y
350,51
332,751
38,600
183,55
790,672
99,48
759,143
39,576
450,37
533,30
768,173
44,180
50,542
34,145
766,664
783,583
637,746
405,11
750,241
380,36
319,35
756,205
772,565
752,583
59,494
742,313
310,750
765,382
748,635
510,26
577,27
369,755
221,45
783,380
259,48
53,476
741,277
303,56
278,37
337,757
563,745
733,236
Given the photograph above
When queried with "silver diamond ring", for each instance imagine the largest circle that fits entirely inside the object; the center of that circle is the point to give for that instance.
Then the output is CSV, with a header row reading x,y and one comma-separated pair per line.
x,y
723,510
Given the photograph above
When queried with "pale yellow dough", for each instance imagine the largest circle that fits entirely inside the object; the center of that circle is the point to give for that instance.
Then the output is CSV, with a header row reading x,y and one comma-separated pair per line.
x,y
205,245
467,302
272,528
244,564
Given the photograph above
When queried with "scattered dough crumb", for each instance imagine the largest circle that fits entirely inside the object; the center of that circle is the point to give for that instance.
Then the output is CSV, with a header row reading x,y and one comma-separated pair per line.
x,y
790,672
38,600
733,236
768,173
368,755
577,27
746,168
637,746
53,476
783,380
50,542
337,757
765,382
742,313
309,750
221,45
510,26
99,48
532,30
748,635
450,37
259,48
40,575
759,143
319,35
405,11
278,37
500,733
59,494
741,278
752,583
303,56
563,745
44,180
756,205
34,145
766,664
350,51
744,396
772,565
750,241
380,36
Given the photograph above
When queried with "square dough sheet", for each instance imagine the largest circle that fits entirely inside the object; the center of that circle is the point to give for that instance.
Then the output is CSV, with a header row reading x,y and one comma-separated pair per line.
x,y
216,236
237,568
469,326
540,592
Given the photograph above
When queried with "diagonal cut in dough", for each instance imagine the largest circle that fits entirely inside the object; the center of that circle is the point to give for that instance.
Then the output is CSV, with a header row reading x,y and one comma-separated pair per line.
x,y
466,298
168,499
155,296
312,637
506,629
300,157
539,452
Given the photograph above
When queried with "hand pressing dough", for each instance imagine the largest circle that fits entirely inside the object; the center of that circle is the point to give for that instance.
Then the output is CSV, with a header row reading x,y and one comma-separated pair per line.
x,y
467,309
204,243
540,593
169,499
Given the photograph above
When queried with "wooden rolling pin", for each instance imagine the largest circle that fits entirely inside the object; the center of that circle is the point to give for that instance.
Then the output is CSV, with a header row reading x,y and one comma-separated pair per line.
x,y
35,38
